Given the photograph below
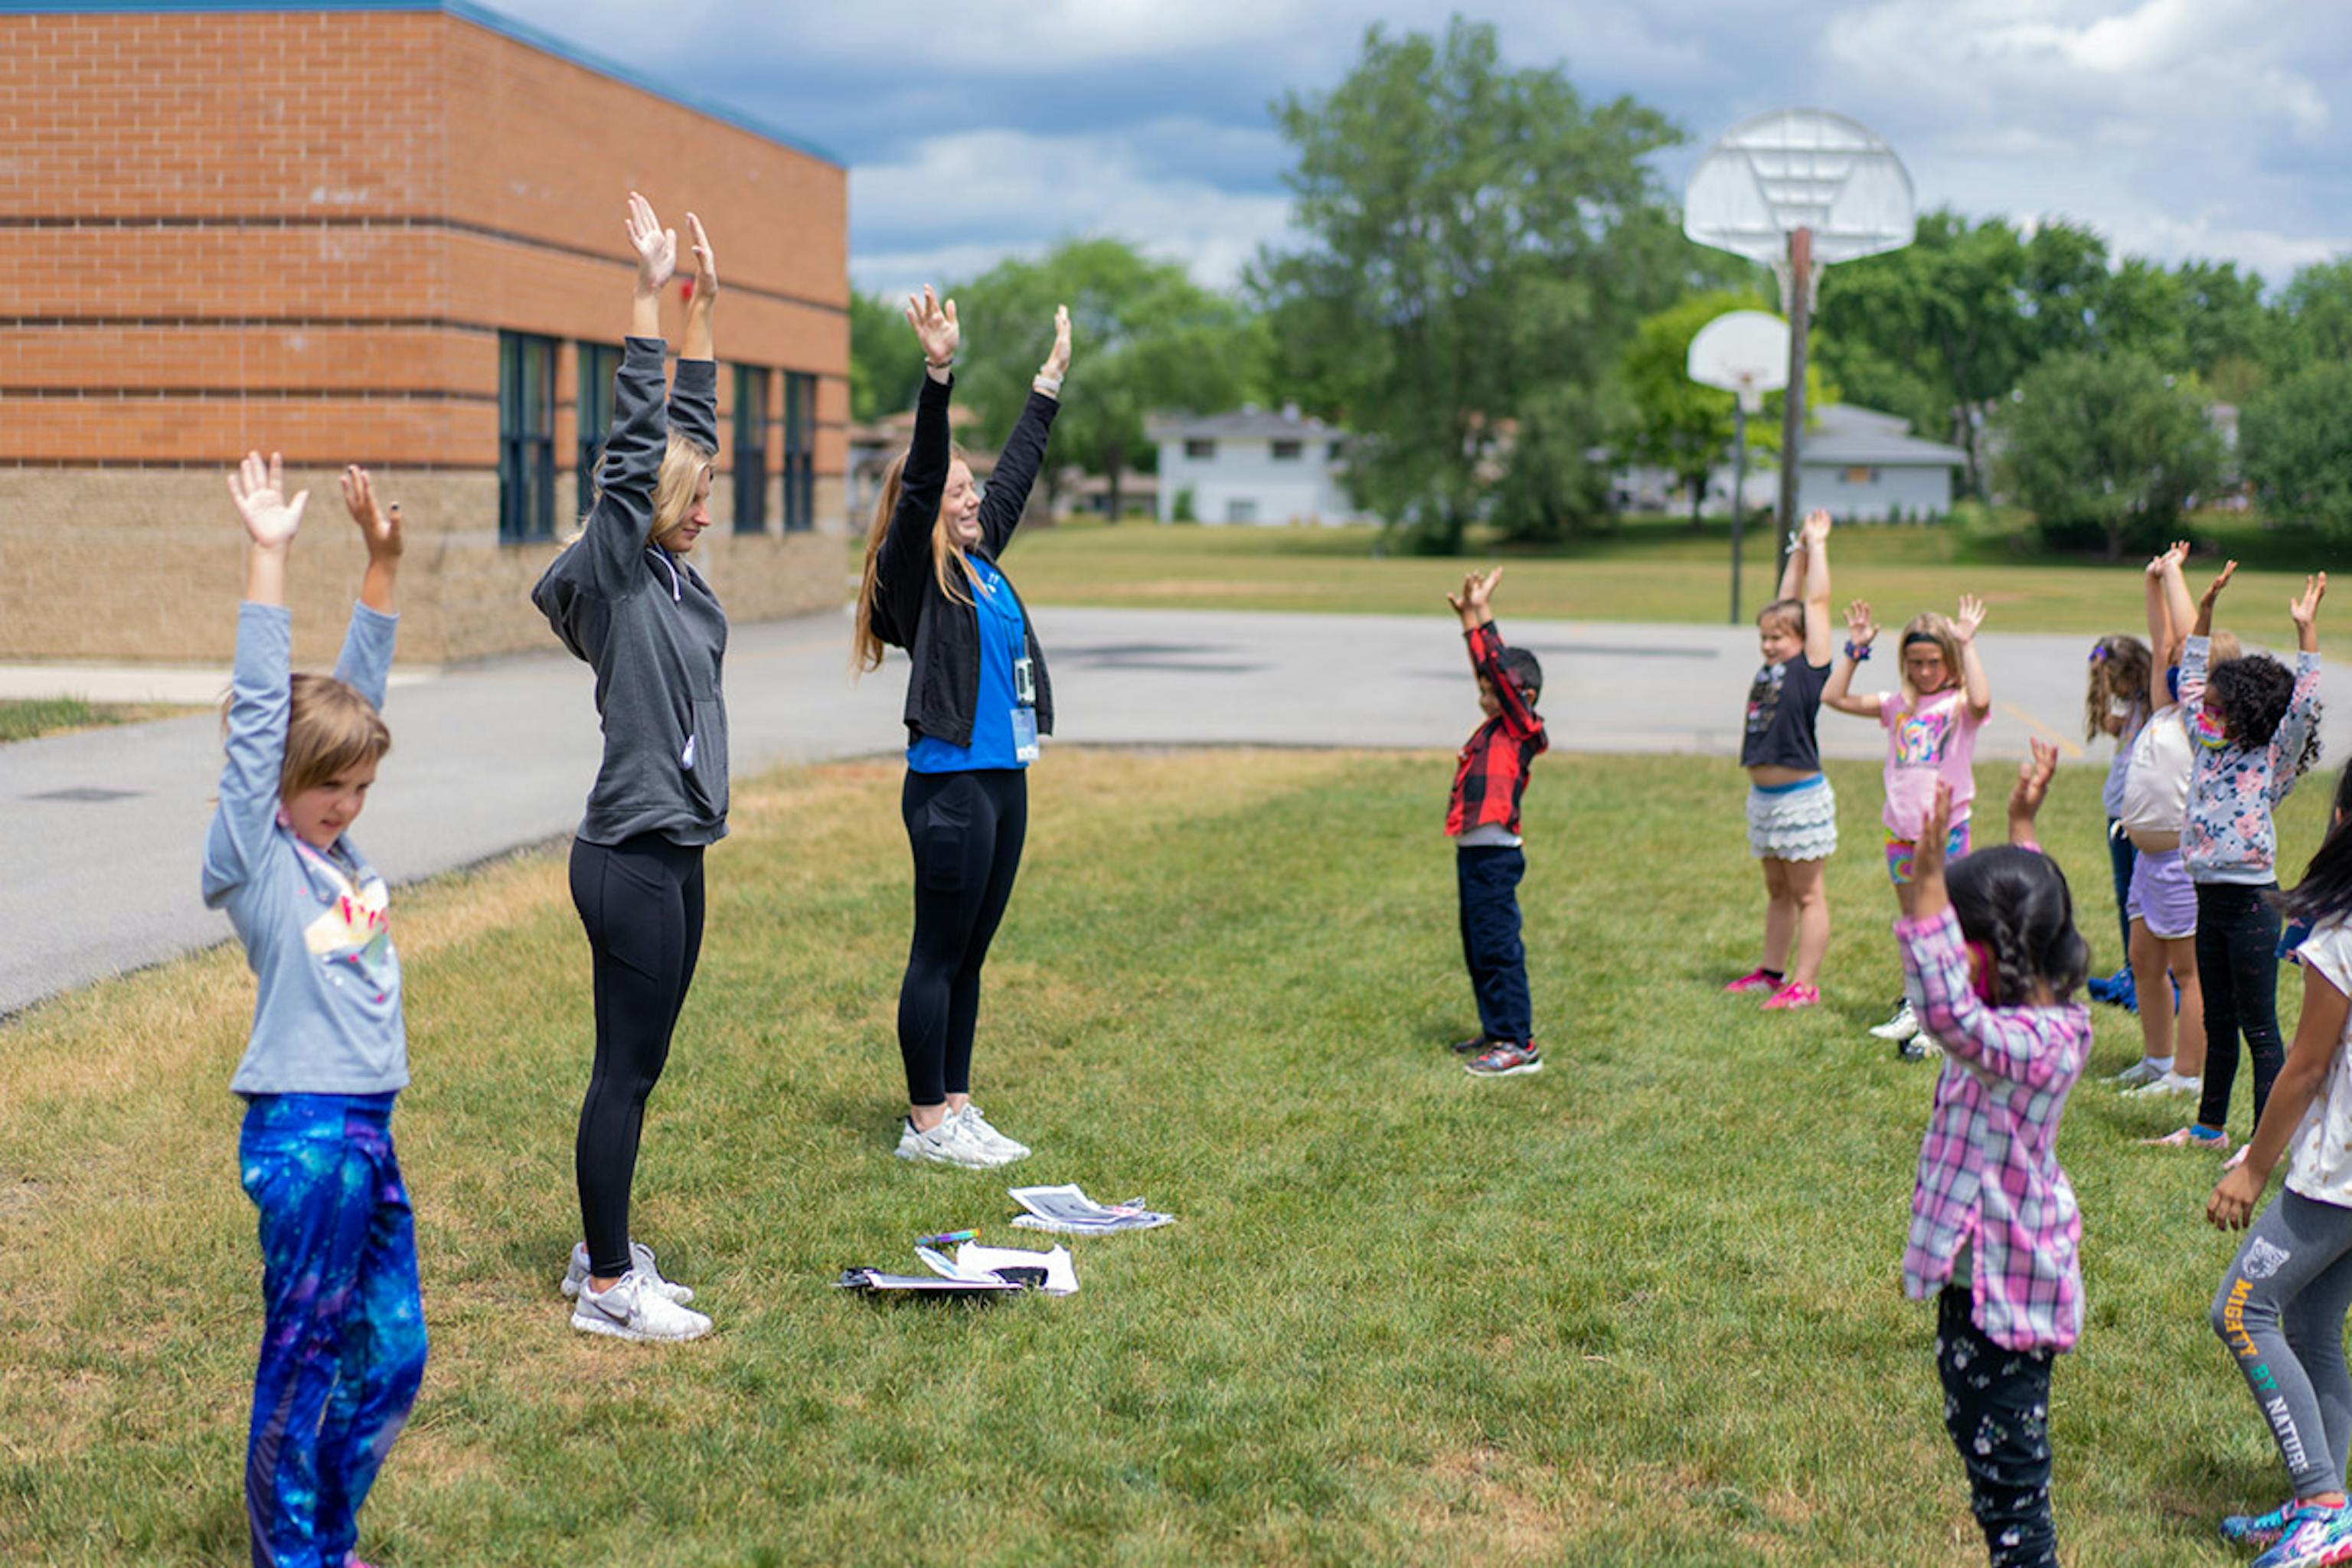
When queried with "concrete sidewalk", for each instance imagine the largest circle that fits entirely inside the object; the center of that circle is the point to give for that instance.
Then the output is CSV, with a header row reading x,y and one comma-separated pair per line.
x,y
103,832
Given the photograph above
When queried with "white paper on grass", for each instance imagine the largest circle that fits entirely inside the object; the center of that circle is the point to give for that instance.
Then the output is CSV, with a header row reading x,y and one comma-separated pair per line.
x,y
1068,1210
978,1264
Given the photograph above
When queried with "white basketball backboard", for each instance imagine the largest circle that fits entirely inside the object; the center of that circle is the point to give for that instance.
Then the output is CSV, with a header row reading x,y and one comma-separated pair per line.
x,y
1742,352
1769,176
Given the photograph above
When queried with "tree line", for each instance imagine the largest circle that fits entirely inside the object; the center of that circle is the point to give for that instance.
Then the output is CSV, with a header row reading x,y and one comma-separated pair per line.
x,y
1489,289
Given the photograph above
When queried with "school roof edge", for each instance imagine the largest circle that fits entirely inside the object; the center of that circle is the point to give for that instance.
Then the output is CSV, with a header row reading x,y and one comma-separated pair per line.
x,y
465,11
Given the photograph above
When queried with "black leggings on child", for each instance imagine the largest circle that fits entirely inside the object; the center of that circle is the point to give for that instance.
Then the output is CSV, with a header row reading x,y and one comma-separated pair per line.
x,y
966,830
640,900
2237,959
1997,1408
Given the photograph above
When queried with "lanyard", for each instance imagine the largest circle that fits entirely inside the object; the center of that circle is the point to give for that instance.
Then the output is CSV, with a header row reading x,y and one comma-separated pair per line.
x,y
1014,633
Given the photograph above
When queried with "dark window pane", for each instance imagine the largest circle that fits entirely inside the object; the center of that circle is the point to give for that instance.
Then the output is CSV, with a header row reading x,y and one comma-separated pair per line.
x,y
750,448
526,437
1285,451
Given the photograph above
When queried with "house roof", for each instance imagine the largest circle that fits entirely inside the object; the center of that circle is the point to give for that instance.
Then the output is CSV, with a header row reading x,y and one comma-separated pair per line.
x,y
1242,424
1849,437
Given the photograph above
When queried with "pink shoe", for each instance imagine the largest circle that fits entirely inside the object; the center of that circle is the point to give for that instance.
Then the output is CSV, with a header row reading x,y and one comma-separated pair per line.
x,y
1791,995
2188,1138
1753,981
2238,1159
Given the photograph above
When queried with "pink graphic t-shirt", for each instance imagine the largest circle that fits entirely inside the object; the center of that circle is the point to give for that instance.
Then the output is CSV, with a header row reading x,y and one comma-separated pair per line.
x,y
1937,740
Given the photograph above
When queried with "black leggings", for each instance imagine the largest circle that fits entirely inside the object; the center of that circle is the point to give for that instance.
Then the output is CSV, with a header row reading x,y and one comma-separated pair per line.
x,y
2237,962
640,900
966,831
1997,1409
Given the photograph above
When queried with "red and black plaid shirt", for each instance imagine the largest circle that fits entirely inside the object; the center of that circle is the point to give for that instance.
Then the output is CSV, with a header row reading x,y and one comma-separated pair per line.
x,y
1494,771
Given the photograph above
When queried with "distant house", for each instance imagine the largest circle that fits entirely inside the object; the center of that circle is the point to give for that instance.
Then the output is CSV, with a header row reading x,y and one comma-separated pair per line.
x,y
1862,466
1253,467
872,447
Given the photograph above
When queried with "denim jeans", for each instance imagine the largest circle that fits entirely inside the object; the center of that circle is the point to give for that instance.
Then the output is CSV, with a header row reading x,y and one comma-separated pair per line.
x,y
1488,878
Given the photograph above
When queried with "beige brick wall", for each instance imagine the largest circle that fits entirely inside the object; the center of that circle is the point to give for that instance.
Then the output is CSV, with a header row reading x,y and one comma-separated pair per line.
x,y
146,564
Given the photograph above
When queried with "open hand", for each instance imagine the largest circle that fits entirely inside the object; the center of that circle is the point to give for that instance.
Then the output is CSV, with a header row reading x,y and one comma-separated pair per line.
x,y
1928,856
655,246
2170,561
704,292
2231,1206
2033,777
260,490
380,527
2220,581
1816,526
1971,617
935,326
1476,591
1860,630
1058,362
2305,608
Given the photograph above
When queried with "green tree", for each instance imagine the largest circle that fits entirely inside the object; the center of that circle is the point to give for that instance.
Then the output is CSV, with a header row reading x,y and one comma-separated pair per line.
x,y
2313,324
2108,449
884,373
1676,424
1479,243
1144,337
2294,442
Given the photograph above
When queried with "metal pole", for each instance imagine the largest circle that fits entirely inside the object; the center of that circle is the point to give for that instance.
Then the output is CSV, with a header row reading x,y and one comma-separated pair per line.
x,y
1738,487
1792,407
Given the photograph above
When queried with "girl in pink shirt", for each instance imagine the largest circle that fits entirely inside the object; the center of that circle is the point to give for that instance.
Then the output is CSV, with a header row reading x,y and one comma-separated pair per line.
x,y
1931,727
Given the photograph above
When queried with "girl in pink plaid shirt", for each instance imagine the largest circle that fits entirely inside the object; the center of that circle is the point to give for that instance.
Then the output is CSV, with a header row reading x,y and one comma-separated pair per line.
x,y
1990,963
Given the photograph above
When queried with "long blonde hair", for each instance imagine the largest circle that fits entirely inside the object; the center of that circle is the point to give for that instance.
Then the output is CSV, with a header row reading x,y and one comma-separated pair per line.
x,y
947,567
1936,627
683,464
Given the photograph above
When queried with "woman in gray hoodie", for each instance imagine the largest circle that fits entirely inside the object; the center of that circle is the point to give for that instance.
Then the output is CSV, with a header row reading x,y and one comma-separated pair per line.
x,y
625,601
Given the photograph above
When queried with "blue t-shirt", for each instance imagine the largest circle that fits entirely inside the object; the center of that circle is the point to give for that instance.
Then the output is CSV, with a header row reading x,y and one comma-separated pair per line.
x,y
1003,637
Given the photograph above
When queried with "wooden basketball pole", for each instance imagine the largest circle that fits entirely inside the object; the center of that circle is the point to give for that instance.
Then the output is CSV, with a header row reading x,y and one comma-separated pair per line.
x,y
1792,406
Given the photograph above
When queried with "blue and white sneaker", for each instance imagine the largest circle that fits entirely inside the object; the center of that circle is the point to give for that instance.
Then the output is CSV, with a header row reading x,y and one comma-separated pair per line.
x,y
2260,1529
2316,1538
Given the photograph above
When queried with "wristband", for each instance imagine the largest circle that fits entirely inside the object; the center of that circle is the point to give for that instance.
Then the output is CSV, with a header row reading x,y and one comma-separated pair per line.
x,y
947,364
1857,652
1051,385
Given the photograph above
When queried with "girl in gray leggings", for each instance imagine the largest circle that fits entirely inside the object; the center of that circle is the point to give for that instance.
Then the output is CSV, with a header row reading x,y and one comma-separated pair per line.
x,y
2280,1306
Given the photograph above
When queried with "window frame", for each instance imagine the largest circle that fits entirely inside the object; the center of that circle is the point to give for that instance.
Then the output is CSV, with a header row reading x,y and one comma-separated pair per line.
x,y
748,455
599,366
1200,448
800,451
1287,450
526,455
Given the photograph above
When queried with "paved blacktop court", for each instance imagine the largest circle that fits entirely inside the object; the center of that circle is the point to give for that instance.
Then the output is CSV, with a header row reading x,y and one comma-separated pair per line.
x,y
102,831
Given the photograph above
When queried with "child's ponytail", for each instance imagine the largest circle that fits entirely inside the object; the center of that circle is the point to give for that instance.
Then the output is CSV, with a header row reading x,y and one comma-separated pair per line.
x,y
2326,889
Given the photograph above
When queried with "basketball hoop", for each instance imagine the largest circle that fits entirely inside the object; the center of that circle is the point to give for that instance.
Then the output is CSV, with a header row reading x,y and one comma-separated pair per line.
x,y
1745,353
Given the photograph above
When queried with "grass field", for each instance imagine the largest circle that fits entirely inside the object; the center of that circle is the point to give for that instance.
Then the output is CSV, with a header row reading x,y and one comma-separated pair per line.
x,y
1643,1308
22,719
1651,570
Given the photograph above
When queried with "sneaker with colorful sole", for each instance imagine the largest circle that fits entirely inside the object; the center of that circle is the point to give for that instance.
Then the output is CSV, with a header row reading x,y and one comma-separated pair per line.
x,y
1504,1059
1754,981
1789,997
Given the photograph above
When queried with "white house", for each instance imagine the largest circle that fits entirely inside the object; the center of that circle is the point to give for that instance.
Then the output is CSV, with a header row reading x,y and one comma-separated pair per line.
x,y
1862,466
1252,467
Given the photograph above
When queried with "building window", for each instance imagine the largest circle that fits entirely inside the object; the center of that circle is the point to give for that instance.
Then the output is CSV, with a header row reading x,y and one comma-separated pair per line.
x,y
1200,451
599,363
1337,451
526,437
750,448
1241,509
1860,476
1287,451
800,451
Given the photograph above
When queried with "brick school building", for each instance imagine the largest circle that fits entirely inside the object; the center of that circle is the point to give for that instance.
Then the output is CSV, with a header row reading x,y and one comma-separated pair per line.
x,y
390,234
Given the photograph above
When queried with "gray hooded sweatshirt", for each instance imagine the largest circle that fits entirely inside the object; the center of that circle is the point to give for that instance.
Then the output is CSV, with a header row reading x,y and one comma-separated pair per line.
x,y
649,625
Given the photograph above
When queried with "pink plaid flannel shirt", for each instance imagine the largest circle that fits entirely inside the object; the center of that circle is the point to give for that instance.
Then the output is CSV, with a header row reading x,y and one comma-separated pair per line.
x,y
1988,1164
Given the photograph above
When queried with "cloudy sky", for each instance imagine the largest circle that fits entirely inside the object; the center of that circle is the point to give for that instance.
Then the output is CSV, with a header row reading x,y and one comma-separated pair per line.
x,y
2177,128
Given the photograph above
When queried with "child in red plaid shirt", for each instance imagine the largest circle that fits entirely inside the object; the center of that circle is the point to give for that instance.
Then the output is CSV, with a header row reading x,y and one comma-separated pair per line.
x,y
1990,963
1483,819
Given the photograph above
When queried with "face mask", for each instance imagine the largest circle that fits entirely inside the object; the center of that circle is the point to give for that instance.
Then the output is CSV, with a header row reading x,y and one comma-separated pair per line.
x,y
1981,971
2119,707
2210,732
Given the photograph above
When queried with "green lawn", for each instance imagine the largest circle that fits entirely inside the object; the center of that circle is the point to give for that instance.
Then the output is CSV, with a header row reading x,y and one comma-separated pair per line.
x,y
1643,1308
1651,570
22,719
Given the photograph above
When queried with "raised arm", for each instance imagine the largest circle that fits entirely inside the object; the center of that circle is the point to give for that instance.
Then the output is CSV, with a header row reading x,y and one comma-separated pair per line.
x,y
1024,450
261,691
2161,631
613,539
2180,608
366,662
1474,605
2302,705
2032,786
906,552
1811,560
2198,648
1837,692
655,248
1972,669
694,395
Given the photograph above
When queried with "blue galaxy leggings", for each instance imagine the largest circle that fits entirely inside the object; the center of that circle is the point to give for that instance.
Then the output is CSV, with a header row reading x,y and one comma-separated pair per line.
x,y
343,1346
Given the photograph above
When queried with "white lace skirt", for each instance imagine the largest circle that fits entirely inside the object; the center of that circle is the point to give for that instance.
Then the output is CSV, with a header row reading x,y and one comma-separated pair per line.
x,y
1795,823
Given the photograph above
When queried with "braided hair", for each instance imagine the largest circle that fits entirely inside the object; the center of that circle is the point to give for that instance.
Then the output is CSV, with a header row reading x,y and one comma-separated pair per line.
x,y
2015,901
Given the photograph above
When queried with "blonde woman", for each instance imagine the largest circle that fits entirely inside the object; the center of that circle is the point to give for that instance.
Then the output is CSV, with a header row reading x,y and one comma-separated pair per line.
x,y
624,600
977,701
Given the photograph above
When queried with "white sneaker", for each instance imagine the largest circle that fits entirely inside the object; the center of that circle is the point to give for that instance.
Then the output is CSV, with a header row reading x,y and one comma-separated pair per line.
x,y
2139,1072
948,1144
1007,1149
1900,1027
629,1310
2171,1083
641,1258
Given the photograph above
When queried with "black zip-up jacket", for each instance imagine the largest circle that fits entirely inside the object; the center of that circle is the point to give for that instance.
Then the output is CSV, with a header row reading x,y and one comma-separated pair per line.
x,y
940,634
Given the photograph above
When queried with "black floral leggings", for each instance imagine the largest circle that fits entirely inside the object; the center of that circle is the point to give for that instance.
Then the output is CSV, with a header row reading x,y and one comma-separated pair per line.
x,y
1997,1408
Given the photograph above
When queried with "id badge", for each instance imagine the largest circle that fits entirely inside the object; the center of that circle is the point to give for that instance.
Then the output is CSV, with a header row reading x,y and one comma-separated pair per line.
x,y
1024,681
1024,734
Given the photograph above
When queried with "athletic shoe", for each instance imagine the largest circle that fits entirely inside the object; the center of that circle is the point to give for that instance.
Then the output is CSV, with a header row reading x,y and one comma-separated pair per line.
x,y
1902,1026
1789,997
1918,1048
945,1144
1473,1045
2315,1537
641,1258
1504,1059
2260,1529
2238,1159
2189,1138
2139,1072
1755,980
631,1312
2170,1084
976,1127
2102,987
